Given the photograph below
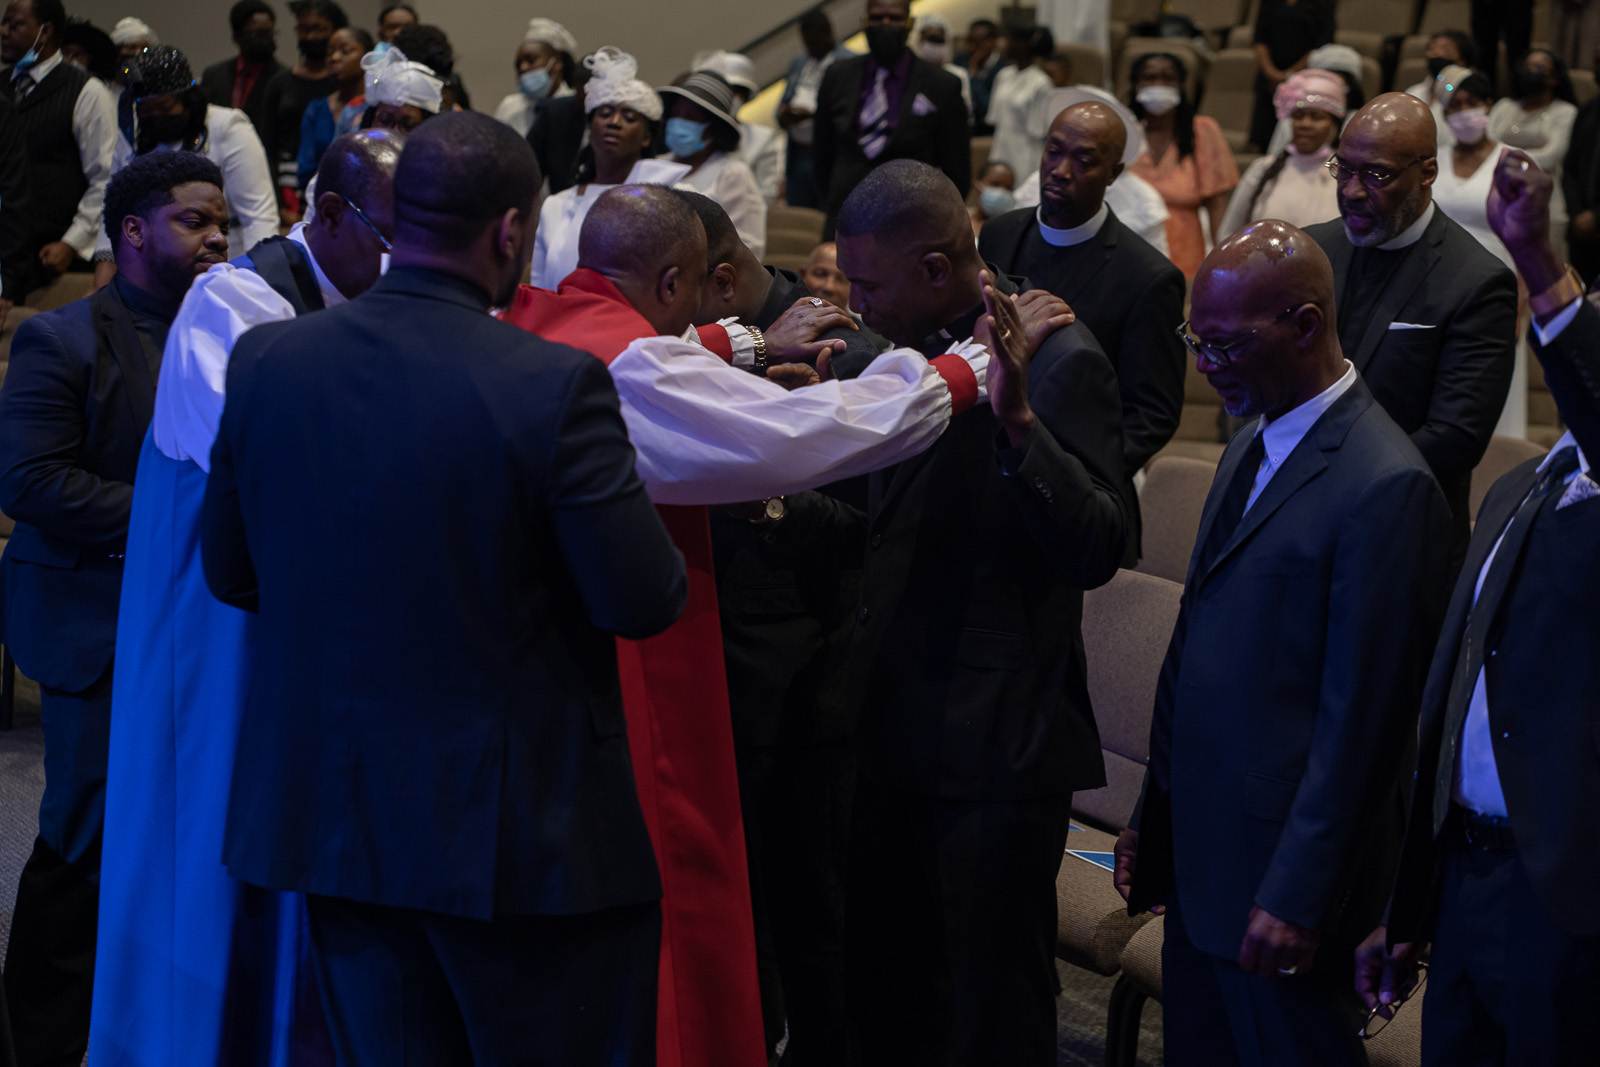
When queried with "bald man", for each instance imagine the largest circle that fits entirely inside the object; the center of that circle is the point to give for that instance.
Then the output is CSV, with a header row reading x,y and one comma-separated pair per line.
x,y
1426,314
1286,710
186,660
1127,293
965,662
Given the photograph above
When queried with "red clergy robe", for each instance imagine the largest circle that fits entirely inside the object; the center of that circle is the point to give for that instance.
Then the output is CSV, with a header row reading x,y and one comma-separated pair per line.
x,y
680,736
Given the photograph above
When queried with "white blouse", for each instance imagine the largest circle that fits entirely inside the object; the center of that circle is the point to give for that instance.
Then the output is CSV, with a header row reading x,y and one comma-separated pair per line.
x,y
1544,135
555,242
1017,112
1302,194
728,180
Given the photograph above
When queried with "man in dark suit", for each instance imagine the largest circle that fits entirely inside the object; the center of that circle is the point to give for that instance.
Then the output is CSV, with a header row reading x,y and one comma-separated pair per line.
x,y
965,662
1128,294
1427,315
439,761
557,138
887,105
241,82
73,412
1503,851
1270,817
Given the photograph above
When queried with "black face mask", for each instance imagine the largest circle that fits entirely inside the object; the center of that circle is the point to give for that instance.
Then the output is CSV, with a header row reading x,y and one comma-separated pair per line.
x,y
315,50
1436,66
887,43
183,130
1531,83
258,47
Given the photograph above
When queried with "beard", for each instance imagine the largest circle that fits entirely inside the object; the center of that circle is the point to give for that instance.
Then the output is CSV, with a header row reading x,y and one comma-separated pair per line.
x,y
1384,228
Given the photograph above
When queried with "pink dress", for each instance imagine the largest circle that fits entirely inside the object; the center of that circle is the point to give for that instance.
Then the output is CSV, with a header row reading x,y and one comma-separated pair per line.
x,y
1188,183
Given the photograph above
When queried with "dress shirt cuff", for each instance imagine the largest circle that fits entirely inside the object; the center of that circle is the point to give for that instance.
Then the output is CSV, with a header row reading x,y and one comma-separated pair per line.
x,y
967,358
741,344
1549,331
81,239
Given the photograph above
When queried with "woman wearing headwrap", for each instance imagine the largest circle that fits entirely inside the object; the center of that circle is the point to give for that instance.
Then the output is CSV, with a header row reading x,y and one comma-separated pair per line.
x,y
624,114
544,72
400,94
702,132
1294,185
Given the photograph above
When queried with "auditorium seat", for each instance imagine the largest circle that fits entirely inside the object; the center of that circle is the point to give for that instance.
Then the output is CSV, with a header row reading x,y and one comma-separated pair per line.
x,y
1138,46
1088,63
791,242
1171,502
1369,44
1411,70
781,216
1386,18
1503,454
1230,95
63,290
1127,625
786,260
1135,11
1216,17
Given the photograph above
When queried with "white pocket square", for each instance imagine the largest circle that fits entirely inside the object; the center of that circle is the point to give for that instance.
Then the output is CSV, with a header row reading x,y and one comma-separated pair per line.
x,y
922,106
1412,326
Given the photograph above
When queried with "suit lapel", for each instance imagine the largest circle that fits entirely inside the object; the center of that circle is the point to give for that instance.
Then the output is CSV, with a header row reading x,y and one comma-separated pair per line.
x,y
114,326
1231,459
1413,271
851,77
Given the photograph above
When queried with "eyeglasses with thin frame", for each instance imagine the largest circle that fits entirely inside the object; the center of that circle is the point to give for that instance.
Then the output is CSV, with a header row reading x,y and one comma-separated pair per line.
x,y
1222,355
362,215
1375,1020
1374,178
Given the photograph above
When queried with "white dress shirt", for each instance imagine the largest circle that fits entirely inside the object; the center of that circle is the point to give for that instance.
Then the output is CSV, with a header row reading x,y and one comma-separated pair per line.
x,y
1137,204
222,304
708,434
1073,235
1477,784
1017,112
555,242
764,150
94,127
726,178
234,146
1282,435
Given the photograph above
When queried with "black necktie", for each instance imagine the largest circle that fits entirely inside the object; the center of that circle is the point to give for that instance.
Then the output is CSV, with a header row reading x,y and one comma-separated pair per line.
x,y
1473,641
1231,508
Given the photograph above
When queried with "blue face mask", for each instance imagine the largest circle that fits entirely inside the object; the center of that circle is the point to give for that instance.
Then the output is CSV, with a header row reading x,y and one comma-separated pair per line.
x,y
686,137
381,47
535,83
30,58
994,201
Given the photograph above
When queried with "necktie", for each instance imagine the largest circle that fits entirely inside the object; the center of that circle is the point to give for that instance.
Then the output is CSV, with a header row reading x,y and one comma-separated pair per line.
x,y
1230,511
875,117
1470,660
21,86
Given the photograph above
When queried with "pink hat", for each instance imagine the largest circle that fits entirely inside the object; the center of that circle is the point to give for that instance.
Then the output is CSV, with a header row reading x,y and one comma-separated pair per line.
x,y
1320,90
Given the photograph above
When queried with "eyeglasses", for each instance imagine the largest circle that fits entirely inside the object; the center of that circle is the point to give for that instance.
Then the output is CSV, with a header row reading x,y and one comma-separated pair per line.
x,y
1374,178
1375,1018
362,215
1222,355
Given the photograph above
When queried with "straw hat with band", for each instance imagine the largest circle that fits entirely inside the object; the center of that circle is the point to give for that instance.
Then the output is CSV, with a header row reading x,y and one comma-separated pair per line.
x,y
711,94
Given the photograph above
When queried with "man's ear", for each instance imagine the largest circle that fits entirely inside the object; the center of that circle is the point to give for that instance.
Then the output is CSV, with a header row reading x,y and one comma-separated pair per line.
x,y
725,280
1430,171
133,231
668,284
1309,323
508,235
936,268
329,206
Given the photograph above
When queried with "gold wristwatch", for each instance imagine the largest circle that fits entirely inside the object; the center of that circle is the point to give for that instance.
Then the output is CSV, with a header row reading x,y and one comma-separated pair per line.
x,y
773,510
760,341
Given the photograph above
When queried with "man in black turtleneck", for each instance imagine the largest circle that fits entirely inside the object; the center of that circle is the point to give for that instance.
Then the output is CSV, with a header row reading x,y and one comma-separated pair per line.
x,y
74,409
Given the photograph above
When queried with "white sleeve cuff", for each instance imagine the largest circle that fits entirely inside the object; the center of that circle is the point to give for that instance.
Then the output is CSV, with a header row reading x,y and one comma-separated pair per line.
x,y
743,345
1552,329
977,358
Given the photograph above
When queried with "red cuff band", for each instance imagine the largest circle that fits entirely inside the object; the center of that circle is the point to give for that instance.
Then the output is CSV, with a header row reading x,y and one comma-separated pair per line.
x,y
715,337
959,379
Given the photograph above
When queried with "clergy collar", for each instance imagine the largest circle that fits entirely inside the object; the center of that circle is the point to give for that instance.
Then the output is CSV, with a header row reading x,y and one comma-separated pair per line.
x,y
331,296
1411,234
1076,235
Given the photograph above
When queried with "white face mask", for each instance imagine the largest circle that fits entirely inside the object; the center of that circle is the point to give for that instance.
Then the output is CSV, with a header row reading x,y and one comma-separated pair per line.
x,y
1158,99
1469,124
937,54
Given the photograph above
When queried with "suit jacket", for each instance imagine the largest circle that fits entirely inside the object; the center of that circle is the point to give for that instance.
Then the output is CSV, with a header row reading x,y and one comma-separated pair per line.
x,y
939,137
217,82
74,409
1446,382
1286,703
1131,297
557,138
1543,717
966,661
440,534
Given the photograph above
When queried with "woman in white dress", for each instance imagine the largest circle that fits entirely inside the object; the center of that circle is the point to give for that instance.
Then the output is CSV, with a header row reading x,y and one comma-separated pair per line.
x,y
1294,185
623,115
1020,99
544,71
1539,120
703,135
1466,174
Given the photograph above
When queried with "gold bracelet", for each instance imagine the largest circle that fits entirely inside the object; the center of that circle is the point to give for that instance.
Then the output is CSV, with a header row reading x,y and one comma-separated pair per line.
x,y
760,341
1567,289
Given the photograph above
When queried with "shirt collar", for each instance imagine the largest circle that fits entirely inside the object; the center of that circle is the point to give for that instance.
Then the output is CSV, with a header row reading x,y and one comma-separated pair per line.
x,y
1567,441
1411,234
1075,235
1279,436
40,70
144,303
331,296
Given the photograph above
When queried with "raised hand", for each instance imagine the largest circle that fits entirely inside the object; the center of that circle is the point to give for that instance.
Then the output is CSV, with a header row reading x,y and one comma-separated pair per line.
x,y
1000,330
796,336
1519,214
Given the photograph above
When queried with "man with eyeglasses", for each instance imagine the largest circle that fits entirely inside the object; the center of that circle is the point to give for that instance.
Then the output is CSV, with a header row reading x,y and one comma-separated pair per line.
x,y
1270,819
184,659
1502,858
1428,317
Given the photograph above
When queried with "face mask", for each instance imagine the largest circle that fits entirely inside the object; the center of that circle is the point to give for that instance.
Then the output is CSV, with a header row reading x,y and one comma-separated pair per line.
x,y
258,47
150,135
886,43
1469,125
1158,99
535,84
315,51
685,137
935,52
381,47
1530,83
30,58
994,201
1436,66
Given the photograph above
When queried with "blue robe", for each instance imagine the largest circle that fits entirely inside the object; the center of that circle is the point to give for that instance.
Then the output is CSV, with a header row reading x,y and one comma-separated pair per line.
x,y
192,966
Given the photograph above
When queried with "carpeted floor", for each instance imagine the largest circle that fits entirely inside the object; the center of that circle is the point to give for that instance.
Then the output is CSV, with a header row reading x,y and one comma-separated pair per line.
x,y
1081,1010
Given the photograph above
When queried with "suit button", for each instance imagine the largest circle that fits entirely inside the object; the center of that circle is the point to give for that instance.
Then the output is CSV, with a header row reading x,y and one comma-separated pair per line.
x,y
1505,735
863,613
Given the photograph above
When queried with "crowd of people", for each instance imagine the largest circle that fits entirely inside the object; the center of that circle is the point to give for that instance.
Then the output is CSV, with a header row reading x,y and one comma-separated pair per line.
x,y
483,612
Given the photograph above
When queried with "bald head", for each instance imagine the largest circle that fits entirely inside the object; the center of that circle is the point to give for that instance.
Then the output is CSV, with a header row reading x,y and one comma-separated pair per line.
x,y
1398,120
648,241
1263,312
1097,123
1082,157
356,175
361,165
1388,150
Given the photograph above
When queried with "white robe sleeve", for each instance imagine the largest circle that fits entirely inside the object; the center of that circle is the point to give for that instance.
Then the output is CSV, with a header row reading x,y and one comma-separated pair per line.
x,y
224,303
706,433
